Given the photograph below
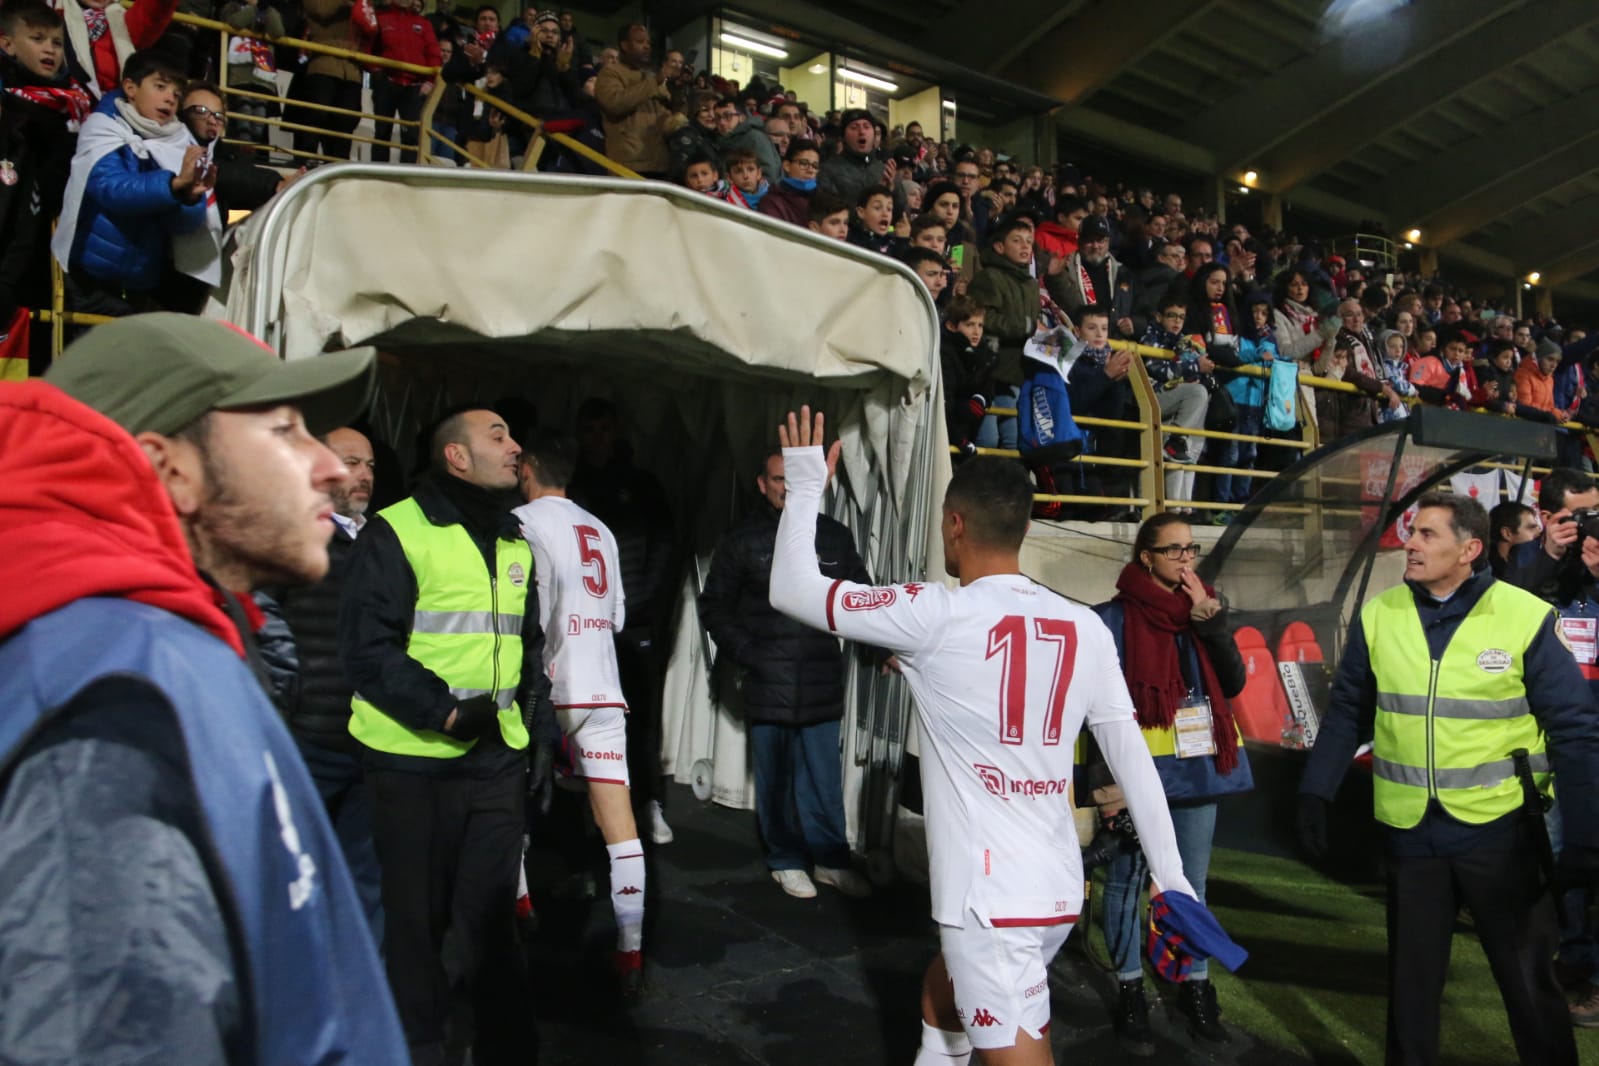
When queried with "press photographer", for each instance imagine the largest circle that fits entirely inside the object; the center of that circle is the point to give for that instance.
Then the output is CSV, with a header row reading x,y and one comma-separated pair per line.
x,y
1562,567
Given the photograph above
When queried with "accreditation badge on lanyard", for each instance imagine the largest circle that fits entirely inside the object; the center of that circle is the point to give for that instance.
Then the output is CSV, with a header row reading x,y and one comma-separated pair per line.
x,y
1192,727
1582,637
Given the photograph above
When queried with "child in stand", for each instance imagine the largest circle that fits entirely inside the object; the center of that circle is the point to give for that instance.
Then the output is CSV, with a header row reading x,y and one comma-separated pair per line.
x,y
1394,365
744,173
139,205
966,365
1257,346
873,226
702,173
828,215
41,109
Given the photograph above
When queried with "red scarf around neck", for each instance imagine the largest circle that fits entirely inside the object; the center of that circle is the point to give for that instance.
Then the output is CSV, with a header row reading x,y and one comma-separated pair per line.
x,y
1153,617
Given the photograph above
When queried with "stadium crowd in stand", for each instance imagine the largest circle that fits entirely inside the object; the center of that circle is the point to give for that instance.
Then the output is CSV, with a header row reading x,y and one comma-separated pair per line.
x,y
107,114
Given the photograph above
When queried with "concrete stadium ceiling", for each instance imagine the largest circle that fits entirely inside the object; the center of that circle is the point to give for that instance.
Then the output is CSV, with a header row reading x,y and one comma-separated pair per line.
x,y
1472,120
1476,121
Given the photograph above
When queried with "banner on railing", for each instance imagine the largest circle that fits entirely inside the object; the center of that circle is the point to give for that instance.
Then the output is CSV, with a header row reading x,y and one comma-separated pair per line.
x,y
1374,470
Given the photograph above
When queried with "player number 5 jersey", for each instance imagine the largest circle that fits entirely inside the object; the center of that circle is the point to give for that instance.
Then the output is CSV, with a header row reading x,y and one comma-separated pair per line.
x,y
581,605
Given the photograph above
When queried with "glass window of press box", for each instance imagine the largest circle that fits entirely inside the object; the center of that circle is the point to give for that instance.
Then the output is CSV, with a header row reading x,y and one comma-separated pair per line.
x,y
824,79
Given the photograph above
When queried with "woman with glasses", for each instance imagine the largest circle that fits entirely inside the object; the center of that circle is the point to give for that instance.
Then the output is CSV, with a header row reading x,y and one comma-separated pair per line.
x,y
1182,669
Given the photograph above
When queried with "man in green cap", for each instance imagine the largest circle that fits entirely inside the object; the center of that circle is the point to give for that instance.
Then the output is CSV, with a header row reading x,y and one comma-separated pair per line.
x,y
163,852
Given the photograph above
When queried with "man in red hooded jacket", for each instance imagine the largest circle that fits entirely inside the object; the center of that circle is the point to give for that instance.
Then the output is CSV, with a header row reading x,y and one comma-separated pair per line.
x,y
153,807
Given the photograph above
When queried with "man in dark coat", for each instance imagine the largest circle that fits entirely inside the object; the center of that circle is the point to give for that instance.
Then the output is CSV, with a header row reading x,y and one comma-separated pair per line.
x,y
793,692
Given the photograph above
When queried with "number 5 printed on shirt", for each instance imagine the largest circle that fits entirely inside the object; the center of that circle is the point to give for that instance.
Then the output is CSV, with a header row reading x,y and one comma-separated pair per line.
x,y
1009,641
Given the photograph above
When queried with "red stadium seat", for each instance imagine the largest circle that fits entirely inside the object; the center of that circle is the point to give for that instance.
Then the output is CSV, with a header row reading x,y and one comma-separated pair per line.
x,y
1298,645
1262,708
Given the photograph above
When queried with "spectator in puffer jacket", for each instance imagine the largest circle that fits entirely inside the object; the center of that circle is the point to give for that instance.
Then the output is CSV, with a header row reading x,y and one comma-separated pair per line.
x,y
790,197
136,208
792,680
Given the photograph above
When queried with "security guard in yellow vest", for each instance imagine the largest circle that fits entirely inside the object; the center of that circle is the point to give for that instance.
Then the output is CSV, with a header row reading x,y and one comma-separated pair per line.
x,y
1449,674
439,636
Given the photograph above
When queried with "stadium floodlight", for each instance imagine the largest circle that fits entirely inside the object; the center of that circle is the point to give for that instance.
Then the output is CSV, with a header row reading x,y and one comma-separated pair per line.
x,y
869,80
747,45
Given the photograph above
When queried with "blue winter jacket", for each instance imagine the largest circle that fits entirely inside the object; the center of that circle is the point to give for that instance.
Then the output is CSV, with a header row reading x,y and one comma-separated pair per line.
x,y
1251,391
1044,408
127,218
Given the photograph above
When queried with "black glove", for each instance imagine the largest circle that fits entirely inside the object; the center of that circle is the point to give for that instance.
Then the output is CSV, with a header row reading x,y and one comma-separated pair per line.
x,y
1577,868
474,717
540,776
1312,825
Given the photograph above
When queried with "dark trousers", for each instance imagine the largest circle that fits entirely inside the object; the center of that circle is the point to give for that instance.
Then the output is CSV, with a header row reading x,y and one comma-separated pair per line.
x,y
642,677
342,786
799,794
333,92
1515,920
389,99
449,849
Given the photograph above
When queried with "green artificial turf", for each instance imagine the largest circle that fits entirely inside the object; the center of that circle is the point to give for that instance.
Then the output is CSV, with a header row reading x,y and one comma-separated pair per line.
x,y
1315,984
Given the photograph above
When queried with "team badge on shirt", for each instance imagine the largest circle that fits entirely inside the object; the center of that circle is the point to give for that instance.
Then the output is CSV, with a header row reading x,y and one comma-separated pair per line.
x,y
517,575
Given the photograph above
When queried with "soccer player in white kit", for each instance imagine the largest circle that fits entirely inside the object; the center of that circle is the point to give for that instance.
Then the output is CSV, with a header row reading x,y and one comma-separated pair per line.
x,y
1005,673
581,604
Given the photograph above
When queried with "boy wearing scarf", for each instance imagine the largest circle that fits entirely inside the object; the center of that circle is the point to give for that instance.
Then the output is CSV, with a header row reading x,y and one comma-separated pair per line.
x,y
41,108
1182,669
103,36
139,205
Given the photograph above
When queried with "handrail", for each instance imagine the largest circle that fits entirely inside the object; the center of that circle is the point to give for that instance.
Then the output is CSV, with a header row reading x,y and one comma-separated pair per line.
x,y
360,58
537,126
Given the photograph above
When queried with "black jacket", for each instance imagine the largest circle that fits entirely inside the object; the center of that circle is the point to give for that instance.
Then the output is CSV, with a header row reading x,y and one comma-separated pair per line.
x,y
1558,698
968,384
35,141
317,704
376,613
241,185
633,506
794,675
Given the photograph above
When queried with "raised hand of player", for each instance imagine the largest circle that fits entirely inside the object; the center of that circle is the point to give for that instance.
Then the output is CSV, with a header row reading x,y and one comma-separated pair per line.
x,y
803,431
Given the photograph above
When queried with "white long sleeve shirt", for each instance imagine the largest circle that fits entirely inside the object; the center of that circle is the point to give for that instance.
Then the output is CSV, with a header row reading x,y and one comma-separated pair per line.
x,y
1005,674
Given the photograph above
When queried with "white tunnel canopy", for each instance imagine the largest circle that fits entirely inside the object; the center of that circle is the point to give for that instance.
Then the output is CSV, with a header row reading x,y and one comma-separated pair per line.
x,y
705,319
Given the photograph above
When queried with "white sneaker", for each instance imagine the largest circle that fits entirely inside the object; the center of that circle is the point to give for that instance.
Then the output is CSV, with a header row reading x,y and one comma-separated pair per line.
x,y
846,881
796,883
660,832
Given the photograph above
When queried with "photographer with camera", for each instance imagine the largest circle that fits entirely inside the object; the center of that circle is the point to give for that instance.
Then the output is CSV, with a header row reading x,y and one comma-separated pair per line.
x,y
1562,568
1182,667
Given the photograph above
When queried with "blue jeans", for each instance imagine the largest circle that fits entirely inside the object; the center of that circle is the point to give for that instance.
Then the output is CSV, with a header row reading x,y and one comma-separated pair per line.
x,y
799,794
1125,878
996,432
1241,454
342,786
441,133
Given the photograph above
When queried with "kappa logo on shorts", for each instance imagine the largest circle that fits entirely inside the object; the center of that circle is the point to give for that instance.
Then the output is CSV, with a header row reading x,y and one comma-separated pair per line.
x,y
629,890
868,600
982,1019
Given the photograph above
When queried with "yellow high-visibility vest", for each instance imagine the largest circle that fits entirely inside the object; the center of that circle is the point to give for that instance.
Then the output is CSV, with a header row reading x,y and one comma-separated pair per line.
x,y
467,629
1445,728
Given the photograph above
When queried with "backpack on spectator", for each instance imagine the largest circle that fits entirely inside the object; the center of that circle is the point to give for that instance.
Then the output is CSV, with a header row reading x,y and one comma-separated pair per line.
x,y
1047,436
1282,393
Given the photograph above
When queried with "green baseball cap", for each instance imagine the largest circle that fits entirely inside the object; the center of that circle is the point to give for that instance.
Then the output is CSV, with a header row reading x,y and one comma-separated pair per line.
x,y
159,372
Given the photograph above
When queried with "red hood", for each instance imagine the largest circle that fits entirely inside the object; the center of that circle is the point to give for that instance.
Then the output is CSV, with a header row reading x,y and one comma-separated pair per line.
x,y
1055,238
83,514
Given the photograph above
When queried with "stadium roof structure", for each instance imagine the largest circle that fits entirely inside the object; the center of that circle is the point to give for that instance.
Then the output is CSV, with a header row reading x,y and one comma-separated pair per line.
x,y
1470,120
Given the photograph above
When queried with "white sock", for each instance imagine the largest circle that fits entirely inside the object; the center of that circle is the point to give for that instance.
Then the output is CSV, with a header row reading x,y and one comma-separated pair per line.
x,y
521,872
627,893
940,1047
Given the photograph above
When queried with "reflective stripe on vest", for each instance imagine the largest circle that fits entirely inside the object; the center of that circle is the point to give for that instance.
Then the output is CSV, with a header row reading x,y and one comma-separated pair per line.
x,y
1445,729
467,630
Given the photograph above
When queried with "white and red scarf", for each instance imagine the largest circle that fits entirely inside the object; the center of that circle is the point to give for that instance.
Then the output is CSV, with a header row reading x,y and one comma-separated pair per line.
x,y
71,100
